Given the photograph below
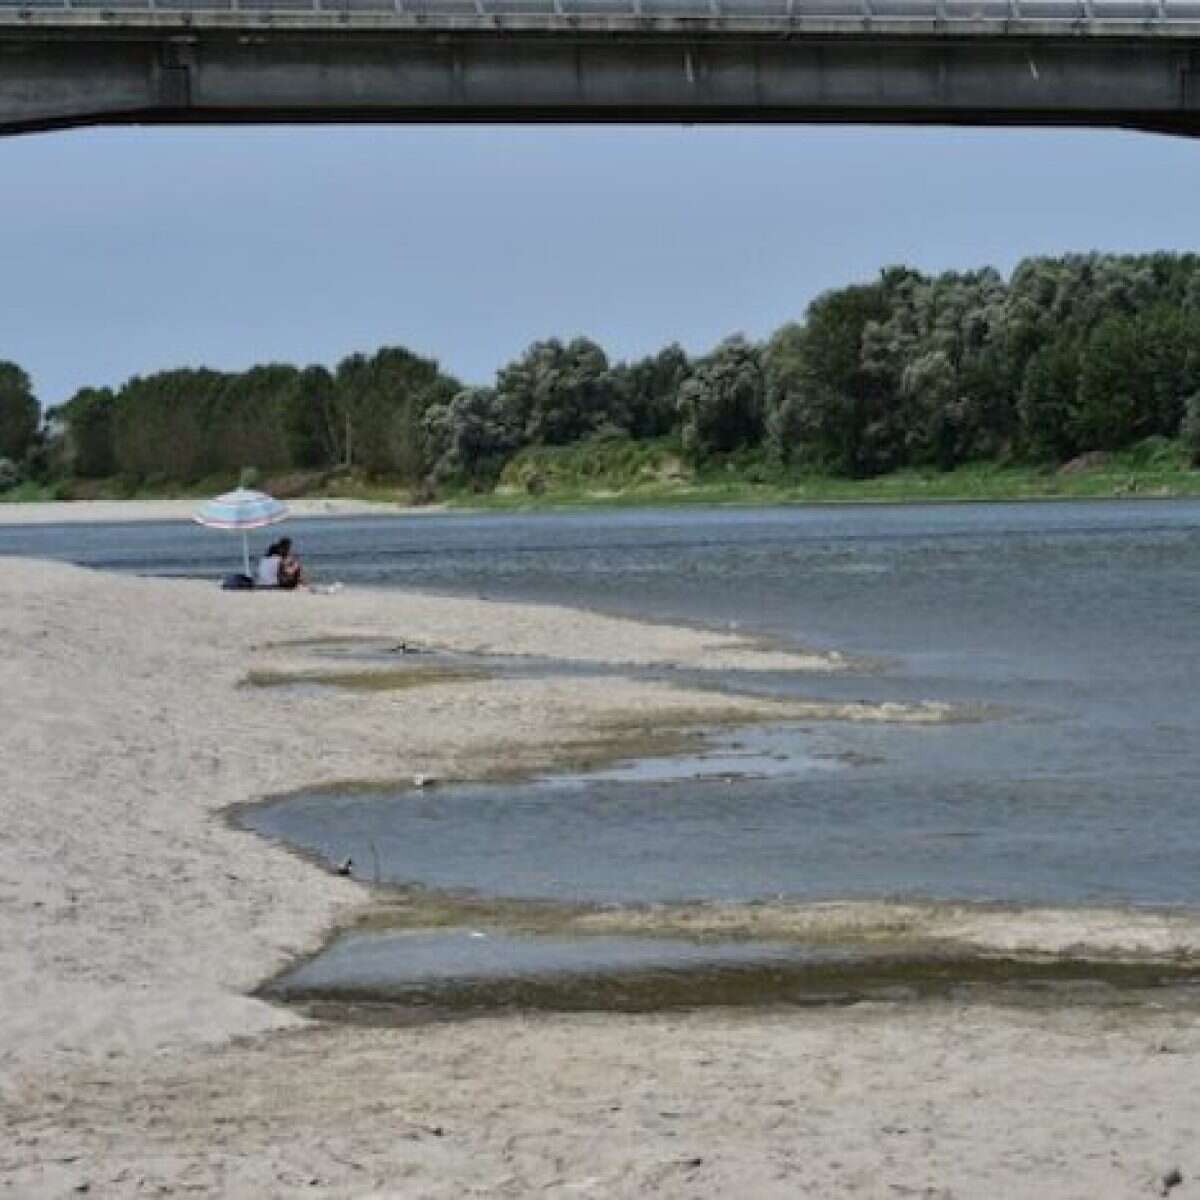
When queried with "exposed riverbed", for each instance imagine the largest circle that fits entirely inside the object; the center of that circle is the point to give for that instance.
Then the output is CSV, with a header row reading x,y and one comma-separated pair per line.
x,y
1053,643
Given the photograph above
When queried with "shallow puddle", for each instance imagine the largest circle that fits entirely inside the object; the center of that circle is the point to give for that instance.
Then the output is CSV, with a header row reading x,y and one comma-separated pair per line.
x,y
386,652
660,829
394,679
760,815
402,977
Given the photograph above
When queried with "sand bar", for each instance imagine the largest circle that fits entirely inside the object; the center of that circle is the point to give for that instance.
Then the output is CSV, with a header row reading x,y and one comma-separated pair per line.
x,y
55,512
134,923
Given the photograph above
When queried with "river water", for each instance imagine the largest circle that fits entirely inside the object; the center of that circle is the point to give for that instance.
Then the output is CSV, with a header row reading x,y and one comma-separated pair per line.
x,y
1074,623
1071,627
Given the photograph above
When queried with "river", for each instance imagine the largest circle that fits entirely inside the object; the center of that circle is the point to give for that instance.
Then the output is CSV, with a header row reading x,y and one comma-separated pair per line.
x,y
1066,630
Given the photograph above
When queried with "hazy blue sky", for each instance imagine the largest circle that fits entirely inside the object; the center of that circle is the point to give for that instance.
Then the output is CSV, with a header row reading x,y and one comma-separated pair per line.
x,y
125,251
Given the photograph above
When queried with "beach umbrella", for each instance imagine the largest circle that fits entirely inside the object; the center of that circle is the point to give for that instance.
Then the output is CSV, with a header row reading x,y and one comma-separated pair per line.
x,y
242,510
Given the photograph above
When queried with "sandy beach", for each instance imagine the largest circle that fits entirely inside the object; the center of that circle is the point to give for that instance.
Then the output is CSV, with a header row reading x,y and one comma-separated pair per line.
x,y
135,923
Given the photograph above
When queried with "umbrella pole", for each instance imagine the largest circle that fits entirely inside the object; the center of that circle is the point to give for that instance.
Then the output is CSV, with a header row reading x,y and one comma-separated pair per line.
x,y
245,552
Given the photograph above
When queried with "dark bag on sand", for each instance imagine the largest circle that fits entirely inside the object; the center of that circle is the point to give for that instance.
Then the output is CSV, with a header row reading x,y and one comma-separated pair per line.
x,y
237,583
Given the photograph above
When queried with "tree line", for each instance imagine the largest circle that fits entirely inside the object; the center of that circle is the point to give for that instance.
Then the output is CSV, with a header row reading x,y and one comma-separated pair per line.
x,y
1070,354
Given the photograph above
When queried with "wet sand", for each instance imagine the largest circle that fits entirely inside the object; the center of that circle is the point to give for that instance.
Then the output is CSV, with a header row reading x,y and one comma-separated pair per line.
x,y
135,924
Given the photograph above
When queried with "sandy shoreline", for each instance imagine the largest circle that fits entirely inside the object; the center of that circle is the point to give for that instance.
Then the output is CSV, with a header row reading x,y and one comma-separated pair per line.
x,y
49,512
134,923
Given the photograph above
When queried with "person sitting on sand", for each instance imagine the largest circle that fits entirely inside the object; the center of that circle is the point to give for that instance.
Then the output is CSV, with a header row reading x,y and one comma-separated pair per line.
x,y
291,573
267,572
279,567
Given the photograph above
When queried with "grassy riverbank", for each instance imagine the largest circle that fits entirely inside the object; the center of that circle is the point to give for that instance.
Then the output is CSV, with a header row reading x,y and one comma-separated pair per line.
x,y
620,471
633,473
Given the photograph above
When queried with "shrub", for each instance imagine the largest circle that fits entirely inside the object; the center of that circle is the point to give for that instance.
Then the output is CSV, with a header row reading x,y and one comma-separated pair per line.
x,y
1189,428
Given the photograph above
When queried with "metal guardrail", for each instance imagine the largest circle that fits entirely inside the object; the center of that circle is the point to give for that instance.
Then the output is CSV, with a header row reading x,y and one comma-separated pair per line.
x,y
1071,12
1048,15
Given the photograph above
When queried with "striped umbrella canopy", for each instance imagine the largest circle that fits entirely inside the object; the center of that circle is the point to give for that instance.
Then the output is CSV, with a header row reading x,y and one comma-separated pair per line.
x,y
242,510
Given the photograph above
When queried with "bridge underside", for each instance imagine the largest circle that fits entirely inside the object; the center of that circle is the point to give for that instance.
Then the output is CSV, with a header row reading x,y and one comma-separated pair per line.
x,y
85,68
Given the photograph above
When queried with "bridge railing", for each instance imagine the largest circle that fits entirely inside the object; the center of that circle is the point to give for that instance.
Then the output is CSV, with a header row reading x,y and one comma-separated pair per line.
x,y
1068,13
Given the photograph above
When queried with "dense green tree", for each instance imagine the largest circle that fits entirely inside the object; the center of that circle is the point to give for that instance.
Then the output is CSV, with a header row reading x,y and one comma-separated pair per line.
x,y
1047,401
373,395
1170,338
933,408
721,402
412,459
1135,376
163,425
556,393
787,384
939,361
1189,428
312,420
1111,386
469,438
650,387
1082,351
19,413
845,401
88,417
246,420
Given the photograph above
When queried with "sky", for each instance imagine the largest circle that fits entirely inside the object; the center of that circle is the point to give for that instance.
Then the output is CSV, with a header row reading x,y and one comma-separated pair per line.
x,y
126,251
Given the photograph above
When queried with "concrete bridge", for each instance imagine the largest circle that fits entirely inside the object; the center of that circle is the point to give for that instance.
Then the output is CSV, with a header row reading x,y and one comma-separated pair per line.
x,y
1029,62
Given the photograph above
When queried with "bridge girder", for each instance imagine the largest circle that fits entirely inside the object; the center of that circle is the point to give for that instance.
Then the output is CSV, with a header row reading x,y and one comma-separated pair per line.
x,y
69,67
